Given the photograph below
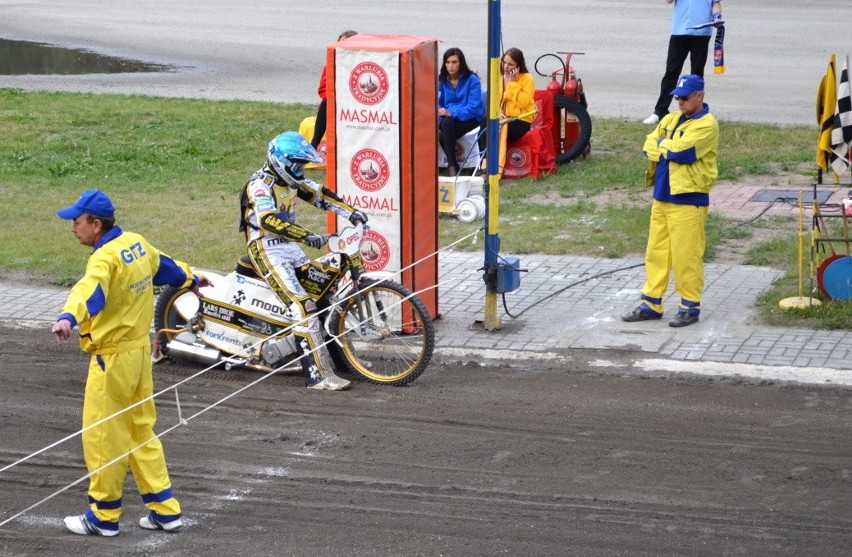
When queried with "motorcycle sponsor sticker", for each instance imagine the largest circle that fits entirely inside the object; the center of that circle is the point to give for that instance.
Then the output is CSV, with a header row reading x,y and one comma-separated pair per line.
x,y
239,297
222,337
375,250
274,309
318,275
346,238
238,319
369,170
368,83
314,278
217,312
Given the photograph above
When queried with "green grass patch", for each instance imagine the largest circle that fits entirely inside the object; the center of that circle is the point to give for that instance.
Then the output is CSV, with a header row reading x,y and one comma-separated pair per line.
x,y
175,167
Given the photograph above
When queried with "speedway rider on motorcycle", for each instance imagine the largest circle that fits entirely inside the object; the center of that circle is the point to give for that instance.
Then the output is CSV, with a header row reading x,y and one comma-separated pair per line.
x,y
272,238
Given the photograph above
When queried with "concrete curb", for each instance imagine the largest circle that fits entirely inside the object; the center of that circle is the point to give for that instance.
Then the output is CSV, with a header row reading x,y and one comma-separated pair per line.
x,y
585,316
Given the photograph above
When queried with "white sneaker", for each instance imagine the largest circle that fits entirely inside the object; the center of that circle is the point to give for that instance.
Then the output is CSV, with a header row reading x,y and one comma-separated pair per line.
x,y
81,526
653,119
149,522
331,383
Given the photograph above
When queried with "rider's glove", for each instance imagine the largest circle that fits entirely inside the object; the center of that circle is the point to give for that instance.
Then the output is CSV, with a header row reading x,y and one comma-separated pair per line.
x,y
315,240
358,216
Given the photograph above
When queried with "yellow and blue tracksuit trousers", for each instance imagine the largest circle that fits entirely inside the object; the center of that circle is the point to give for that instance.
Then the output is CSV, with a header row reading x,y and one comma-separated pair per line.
x,y
116,381
676,242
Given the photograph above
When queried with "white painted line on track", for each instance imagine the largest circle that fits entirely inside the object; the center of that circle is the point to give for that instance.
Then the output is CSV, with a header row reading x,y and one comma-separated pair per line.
x,y
490,354
805,375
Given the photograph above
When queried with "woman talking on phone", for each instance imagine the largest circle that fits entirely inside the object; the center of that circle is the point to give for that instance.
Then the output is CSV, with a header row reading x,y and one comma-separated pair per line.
x,y
518,100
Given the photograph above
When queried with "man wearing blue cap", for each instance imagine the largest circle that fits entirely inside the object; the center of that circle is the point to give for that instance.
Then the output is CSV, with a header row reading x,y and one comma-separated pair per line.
x,y
113,307
682,152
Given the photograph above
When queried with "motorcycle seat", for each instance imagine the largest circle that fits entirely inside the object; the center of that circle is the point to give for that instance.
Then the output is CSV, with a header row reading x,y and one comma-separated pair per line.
x,y
245,268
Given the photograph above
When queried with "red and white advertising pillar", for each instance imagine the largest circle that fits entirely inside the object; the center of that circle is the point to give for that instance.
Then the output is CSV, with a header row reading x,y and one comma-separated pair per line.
x,y
381,151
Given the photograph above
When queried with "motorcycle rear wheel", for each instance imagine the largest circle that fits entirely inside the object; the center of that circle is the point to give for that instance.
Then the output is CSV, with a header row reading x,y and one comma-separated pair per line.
x,y
395,343
166,316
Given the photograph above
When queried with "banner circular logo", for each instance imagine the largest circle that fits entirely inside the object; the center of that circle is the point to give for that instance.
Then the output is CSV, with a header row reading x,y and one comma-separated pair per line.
x,y
375,250
516,157
368,83
369,169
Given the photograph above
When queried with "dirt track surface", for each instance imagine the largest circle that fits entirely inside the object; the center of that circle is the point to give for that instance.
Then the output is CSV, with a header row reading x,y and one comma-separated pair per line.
x,y
467,461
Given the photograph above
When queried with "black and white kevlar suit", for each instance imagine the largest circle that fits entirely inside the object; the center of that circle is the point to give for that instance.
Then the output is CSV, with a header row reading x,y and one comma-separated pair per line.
x,y
272,239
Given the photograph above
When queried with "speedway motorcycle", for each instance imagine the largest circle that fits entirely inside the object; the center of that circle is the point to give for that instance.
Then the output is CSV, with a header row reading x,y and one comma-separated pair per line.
x,y
374,327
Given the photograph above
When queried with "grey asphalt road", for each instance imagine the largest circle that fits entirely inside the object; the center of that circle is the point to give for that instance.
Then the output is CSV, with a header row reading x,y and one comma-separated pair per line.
x,y
776,50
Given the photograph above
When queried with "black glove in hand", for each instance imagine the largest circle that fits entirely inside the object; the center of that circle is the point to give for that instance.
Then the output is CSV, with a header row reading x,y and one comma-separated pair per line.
x,y
315,240
358,216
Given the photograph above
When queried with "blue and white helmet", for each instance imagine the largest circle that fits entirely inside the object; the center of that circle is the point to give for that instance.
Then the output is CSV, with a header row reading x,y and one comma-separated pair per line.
x,y
288,154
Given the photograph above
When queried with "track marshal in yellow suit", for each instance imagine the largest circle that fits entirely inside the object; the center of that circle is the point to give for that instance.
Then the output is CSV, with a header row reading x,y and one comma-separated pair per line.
x,y
113,307
682,153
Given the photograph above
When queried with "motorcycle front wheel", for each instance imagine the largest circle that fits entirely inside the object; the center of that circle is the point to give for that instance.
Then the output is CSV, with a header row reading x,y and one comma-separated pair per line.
x,y
389,340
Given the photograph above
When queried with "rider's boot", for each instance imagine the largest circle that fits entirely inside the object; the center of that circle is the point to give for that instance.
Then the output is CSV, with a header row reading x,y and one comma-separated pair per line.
x,y
316,363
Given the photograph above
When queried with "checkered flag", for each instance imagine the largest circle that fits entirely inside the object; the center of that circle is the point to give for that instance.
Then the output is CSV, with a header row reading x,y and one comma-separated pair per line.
x,y
841,133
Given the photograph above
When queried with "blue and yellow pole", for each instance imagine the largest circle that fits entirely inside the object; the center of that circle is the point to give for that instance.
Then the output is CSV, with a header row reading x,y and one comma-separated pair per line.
x,y
491,320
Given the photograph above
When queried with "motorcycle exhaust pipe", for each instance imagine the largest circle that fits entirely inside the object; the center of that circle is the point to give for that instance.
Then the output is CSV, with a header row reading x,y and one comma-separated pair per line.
x,y
192,353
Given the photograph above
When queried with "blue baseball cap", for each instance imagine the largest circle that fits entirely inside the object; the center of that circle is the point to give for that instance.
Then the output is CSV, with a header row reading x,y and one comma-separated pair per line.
x,y
94,202
688,84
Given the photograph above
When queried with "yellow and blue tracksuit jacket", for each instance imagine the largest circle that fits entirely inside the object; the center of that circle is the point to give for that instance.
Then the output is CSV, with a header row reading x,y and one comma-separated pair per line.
x,y
682,151
113,303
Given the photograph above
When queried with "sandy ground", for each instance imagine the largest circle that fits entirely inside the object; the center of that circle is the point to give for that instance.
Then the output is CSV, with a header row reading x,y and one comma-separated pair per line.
x,y
776,51
467,461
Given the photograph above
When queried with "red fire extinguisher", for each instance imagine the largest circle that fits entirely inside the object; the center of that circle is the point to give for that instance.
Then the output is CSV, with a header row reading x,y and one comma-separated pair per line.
x,y
566,131
555,89
572,125
571,84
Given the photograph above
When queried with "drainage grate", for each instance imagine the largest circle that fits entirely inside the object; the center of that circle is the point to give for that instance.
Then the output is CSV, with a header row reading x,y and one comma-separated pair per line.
x,y
791,196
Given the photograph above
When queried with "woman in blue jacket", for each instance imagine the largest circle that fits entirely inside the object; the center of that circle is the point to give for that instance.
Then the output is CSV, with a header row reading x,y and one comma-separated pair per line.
x,y
459,104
